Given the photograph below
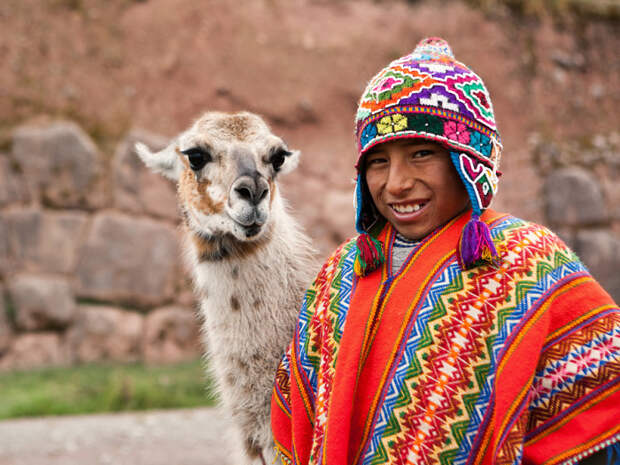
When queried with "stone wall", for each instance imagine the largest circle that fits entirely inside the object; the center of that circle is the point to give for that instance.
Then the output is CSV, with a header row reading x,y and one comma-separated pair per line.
x,y
90,266
89,261
581,194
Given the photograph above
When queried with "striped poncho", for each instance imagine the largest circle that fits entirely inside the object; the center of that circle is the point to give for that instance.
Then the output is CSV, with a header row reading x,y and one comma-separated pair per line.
x,y
516,362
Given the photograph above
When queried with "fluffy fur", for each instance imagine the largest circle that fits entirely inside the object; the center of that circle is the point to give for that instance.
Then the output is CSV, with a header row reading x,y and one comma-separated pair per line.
x,y
249,284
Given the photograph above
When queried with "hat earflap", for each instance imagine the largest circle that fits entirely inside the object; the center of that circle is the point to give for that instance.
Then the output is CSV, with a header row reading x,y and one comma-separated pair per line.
x,y
475,246
369,254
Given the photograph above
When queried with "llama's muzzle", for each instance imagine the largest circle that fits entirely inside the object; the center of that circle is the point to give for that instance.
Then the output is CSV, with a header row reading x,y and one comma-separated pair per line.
x,y
252,189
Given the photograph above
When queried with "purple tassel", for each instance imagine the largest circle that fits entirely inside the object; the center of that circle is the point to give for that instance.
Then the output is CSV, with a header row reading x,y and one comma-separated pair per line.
x,y
476,246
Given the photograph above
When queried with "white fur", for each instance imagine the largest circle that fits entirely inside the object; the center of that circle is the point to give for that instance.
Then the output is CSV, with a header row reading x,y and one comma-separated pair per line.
x,y
277,275
165,163
244,344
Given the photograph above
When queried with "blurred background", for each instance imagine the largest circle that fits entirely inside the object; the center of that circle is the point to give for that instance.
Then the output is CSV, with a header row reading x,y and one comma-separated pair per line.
x,y
90,269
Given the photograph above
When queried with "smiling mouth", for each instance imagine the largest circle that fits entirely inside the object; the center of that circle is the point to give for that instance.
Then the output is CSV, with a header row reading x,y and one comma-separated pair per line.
x,y
408,208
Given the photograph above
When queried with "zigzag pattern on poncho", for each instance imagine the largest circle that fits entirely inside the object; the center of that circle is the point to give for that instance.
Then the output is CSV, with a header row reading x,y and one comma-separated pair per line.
x,y
501,364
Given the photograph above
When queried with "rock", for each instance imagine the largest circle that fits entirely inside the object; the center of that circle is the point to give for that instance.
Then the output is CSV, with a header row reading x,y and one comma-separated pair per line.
x,y
40,241
6,328
59,240
105,333
306,113
343,223
60,164
545,154
600,251
566,234
171,334
136,188
127,260
573,197
609,176
317,218
41,302
19,233
184,291
34,350
568,60
12,186
4,246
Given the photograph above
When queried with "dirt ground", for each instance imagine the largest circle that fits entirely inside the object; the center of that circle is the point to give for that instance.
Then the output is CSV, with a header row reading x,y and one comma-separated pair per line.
x,y
179,437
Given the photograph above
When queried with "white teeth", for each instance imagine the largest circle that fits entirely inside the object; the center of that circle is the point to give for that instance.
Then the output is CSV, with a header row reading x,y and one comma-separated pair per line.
x,y
406,208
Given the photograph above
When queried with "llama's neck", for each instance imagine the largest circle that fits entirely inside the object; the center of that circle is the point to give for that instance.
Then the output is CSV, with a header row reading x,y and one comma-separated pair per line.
x,y
283,261
249,304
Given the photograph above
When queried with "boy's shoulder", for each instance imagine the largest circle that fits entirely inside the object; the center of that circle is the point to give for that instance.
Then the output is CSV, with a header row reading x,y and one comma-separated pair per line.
x,y
508,222
512,231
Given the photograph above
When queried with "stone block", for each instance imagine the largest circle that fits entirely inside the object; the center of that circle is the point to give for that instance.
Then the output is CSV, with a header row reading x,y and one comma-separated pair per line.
x,y
19,233
600,251
4,246
567,234
12,186
128,260
328,218
339,212
105,333
60,165
59,240
41,302
171,334
184,295
136,188
573,196
34,350
36,240
6,328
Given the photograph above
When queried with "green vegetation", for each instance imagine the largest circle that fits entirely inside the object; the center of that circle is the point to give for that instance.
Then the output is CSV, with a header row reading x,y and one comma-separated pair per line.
x,y
103,388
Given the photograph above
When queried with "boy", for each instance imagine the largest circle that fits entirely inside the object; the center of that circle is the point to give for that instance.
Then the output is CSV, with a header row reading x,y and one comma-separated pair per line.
x,y
445,332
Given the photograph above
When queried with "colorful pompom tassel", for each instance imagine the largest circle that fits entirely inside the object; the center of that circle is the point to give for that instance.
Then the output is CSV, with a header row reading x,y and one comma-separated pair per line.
x,y
476,246
369,255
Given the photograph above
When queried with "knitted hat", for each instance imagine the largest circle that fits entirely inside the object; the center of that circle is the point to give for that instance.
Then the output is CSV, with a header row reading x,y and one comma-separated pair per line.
x,y
428,94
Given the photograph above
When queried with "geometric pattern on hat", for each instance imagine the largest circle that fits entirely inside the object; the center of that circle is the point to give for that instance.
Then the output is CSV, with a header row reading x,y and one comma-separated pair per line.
x,y
480,181
429,94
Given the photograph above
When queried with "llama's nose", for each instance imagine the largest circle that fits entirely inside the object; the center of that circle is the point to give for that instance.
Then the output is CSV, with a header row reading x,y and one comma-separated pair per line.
x,y
251,189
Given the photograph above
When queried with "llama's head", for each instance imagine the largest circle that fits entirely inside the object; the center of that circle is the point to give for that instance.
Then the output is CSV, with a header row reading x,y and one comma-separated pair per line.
x,y
225,166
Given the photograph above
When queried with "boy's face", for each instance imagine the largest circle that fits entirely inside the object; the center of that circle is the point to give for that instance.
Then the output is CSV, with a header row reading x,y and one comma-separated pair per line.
x,y
414,185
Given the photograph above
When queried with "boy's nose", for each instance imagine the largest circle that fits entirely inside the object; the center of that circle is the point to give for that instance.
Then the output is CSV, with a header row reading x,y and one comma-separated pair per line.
x,y
400,179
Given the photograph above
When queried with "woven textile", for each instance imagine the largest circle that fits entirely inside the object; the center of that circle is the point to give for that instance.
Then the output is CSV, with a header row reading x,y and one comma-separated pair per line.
x,y
506,364
429,94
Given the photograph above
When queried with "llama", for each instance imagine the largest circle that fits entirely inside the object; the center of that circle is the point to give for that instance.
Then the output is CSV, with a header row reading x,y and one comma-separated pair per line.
x,y
250,260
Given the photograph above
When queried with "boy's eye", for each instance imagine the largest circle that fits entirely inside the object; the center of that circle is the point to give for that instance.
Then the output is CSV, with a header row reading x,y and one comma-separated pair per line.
x,y
375,161
421,153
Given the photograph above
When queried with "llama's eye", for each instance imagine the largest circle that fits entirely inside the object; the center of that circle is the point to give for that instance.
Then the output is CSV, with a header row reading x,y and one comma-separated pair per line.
x,y
277,158
197,157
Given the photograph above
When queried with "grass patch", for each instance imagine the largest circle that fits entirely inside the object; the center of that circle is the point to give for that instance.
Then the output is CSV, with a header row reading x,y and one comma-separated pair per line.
x,y
103,388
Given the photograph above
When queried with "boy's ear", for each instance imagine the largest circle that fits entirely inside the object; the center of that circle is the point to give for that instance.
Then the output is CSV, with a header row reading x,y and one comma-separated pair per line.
x,y
290,162
165,161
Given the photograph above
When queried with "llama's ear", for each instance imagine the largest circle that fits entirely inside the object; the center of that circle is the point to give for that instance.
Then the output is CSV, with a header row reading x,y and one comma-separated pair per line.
x,y
290,162
165,161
